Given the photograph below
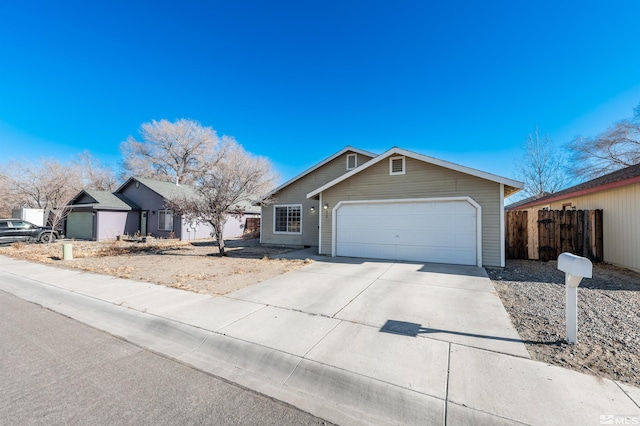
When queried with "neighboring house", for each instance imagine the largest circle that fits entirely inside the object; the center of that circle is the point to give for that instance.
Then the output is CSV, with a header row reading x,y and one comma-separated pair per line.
x,y
618,195
397,205
100,215
140,206
154,217
524,201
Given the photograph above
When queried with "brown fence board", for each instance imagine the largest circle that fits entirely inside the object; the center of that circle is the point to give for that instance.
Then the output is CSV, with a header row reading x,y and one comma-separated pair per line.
x,y
252,226
548,233
517,235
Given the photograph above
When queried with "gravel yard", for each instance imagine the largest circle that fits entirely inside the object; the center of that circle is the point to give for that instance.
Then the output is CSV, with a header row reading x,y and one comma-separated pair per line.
x,y
608,317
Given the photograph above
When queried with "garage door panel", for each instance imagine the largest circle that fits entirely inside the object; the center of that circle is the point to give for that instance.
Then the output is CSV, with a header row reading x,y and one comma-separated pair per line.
x,y
432,231
80,225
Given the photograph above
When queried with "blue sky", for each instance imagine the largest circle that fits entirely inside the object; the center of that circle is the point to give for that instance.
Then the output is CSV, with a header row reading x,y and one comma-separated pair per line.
x,y
297,81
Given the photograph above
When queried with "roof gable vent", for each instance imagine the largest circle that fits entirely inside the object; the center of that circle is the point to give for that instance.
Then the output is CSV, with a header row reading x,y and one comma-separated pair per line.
x,y
397,165
352,161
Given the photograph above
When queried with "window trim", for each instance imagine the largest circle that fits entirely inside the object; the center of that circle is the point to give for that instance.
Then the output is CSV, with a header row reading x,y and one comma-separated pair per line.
x,y
404,165
287,206
165,213
355,161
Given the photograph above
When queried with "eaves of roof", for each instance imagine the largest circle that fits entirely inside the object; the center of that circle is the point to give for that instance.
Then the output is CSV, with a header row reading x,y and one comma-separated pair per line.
x,y
617,179
510,184
317,166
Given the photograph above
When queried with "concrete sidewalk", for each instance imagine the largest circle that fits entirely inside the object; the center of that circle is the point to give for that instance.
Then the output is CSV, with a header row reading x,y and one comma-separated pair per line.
x,y
331,355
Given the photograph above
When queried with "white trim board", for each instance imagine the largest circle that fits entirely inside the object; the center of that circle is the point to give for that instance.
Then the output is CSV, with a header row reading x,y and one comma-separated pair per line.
x,y
320,164
420,157
275,206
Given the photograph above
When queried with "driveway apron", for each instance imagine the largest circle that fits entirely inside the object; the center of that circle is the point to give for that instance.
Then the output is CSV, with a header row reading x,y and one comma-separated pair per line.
x,y
451,303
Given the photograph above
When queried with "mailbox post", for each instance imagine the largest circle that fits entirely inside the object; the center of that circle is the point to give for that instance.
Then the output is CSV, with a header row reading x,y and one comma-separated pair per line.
x,y
575,268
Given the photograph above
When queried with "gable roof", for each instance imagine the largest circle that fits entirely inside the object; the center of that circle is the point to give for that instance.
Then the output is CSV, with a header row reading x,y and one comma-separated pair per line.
x,y
510,186
104,200
525,201
317,166
621,177
164,189
168,190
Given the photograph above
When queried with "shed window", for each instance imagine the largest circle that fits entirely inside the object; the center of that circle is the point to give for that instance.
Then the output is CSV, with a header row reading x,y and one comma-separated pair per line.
x,y
165,220
288,219
352,161
396,165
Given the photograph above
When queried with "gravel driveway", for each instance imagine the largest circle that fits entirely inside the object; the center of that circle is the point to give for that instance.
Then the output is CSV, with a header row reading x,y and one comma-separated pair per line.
x,y
608,317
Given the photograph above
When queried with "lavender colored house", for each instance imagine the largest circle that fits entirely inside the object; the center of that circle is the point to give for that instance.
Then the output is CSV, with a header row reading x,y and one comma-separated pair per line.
x,y
140,206
100,215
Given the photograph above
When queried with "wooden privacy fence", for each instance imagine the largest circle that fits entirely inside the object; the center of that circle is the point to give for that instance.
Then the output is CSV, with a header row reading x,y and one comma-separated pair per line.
x,y
252,226
544,234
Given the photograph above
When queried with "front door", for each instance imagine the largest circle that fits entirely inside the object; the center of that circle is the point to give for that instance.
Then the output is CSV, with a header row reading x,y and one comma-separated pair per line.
x,y
143,223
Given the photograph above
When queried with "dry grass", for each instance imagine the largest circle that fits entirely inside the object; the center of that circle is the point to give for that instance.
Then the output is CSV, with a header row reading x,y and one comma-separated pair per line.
x,y
179,264
48,253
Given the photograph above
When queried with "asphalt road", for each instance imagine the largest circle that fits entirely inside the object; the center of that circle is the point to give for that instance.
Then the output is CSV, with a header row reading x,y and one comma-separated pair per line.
x,y
55,370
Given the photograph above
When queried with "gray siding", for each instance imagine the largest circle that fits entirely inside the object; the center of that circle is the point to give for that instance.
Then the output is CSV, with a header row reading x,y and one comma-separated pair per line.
x,y
132,224
149,200
85,199
421,180
296,193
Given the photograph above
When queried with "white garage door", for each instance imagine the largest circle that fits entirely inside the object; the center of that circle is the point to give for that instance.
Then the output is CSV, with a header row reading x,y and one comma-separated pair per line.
x,y
424,231
80,225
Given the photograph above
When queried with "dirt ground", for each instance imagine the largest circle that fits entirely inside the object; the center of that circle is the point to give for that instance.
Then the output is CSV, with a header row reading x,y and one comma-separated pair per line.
x,y
533,293
193,266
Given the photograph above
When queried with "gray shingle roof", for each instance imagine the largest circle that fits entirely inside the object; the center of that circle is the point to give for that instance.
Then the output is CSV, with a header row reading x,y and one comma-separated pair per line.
x,y
167,189
105,200
170,190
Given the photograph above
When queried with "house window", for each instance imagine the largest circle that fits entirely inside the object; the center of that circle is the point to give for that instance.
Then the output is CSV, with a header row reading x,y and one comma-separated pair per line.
x,y
352,161
396,165
566,206
165,220
288,219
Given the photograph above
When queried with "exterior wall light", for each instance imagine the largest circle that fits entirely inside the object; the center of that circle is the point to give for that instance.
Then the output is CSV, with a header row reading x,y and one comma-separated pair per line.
x,y
326,206
313,209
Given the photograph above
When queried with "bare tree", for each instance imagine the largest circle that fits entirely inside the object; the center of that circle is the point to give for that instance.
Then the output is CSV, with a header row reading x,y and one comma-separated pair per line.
x,y
180,151
95,175
542,167
6,201
615,148
236,179
48,185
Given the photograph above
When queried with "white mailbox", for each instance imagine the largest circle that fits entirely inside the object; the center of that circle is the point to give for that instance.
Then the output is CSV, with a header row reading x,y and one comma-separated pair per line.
x,y
575,268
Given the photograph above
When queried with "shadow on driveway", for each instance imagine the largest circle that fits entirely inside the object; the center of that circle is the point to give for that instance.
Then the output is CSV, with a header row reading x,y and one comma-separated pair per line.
x,y
413,330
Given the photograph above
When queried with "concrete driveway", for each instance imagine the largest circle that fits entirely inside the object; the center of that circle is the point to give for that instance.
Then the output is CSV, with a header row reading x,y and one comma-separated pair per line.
x,y
349,340
451,303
